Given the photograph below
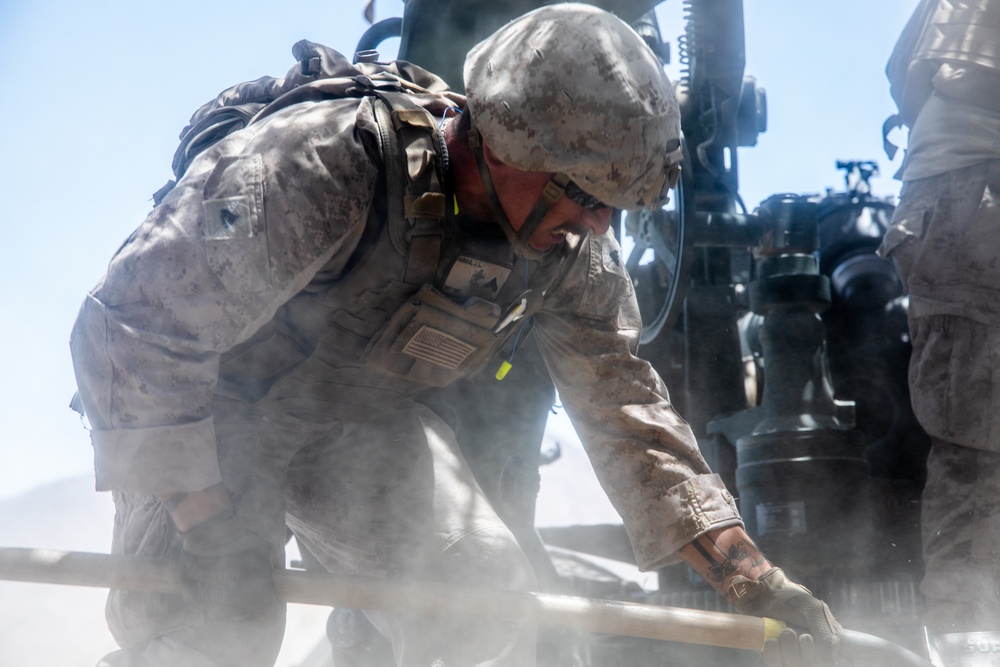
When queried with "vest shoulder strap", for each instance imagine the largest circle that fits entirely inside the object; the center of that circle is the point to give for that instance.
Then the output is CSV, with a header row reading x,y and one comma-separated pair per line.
x,y
414,165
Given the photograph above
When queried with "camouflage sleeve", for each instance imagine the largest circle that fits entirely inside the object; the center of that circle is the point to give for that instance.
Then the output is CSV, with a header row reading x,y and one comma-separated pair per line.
x,y
249,225
643,452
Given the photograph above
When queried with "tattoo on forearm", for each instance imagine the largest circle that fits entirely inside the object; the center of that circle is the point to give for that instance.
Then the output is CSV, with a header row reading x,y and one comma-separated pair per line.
x,y
728,562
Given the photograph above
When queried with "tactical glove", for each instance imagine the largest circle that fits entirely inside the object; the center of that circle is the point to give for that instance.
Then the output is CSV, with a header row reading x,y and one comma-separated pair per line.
x,y
774,596
790,649
226,568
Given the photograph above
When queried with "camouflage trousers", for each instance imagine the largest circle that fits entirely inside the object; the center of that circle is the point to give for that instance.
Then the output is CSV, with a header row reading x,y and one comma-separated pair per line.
x,y
944,245
960,524
391,498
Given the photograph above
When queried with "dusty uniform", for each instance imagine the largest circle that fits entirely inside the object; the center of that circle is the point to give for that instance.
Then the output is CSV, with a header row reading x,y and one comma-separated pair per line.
x,y
250,332
945,243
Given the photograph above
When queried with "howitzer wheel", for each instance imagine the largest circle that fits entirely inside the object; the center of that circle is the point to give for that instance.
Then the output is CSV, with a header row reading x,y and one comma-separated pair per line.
x,y
659,258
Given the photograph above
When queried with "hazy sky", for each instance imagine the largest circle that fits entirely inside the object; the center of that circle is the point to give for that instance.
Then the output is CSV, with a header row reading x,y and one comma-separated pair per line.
x,y
93,96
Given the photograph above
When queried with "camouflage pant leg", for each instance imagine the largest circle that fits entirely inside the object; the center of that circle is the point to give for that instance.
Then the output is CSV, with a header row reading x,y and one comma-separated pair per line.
x,y
162,630
961,536
943,241
953,378
395,498
944,247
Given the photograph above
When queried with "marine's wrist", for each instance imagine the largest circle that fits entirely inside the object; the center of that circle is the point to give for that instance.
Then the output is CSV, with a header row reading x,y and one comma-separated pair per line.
x,y
191,509
725,555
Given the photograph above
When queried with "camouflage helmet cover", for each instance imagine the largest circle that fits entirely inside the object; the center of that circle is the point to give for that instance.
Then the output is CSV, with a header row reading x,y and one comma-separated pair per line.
x,y
572,89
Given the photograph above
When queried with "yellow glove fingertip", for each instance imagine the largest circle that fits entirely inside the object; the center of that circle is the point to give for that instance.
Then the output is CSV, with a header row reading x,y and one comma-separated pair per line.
x,y
772,628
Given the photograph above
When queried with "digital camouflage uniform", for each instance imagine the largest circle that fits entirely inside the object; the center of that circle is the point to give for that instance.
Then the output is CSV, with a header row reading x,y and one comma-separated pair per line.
x,y
255,330
944,243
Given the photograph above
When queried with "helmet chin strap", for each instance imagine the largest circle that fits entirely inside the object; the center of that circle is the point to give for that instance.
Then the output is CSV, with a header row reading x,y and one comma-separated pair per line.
x,y
518,238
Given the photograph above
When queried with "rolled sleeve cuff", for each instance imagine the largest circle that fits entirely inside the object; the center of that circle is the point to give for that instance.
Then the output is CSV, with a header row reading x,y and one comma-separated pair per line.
x,y
671,520
161,460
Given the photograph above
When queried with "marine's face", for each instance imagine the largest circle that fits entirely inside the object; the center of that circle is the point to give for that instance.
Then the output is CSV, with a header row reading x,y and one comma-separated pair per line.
x,y
518,199
566,217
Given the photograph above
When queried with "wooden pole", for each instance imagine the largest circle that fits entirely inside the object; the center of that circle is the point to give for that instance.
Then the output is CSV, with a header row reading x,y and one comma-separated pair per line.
x,y
603,616
630,619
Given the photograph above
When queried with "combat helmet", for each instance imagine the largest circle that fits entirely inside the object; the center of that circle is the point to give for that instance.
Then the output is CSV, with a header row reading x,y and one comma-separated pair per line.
x,y
572,90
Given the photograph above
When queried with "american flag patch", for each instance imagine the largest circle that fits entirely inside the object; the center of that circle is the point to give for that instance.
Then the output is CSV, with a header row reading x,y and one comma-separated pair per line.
x,y
438,348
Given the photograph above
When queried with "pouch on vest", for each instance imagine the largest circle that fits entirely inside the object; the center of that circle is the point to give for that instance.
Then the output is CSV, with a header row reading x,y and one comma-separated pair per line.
x,y
433,340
